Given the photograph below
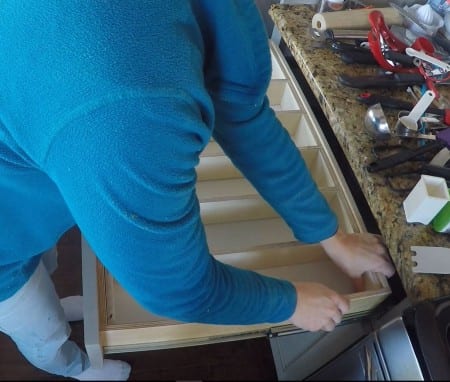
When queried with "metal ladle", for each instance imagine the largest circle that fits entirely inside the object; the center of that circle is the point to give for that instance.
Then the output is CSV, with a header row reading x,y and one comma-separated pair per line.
x,y
376,123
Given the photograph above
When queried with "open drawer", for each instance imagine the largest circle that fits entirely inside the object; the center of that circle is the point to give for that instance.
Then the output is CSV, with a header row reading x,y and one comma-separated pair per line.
x,y
114,322
242,230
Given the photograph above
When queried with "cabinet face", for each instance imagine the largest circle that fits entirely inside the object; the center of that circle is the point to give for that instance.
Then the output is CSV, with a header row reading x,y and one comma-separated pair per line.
x,y
243,231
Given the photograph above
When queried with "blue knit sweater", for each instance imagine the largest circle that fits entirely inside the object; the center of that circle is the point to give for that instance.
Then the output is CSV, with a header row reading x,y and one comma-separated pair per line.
x,y
114,101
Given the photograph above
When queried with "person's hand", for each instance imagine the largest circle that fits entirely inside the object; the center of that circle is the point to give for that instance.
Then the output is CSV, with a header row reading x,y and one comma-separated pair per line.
x,y
357,253
318,307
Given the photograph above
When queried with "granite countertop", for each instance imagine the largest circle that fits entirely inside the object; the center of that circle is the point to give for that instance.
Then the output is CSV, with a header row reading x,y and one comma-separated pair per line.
x,y
320,67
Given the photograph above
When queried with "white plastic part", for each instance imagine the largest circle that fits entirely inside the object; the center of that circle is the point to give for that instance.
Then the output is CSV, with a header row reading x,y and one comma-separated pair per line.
x,y
425,57
426,199
410,120
431,259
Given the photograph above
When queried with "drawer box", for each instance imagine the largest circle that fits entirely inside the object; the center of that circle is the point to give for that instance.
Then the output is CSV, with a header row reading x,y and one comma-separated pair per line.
x,y
242,230
295,122
299,127
256,211
278,73
281,96
219,167
116,323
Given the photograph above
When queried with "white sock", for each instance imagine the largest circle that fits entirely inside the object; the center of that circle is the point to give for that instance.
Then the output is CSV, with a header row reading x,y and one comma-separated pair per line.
x,y
112,370
73,307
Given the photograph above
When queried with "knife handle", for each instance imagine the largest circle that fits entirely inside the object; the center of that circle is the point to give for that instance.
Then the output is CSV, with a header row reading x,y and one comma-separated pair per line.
x,y
396,80
365,58
388,102
400,58
402,157
339,46
443,172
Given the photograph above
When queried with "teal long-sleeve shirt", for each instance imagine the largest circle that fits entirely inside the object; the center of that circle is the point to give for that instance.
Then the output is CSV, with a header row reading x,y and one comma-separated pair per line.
x,y
114,101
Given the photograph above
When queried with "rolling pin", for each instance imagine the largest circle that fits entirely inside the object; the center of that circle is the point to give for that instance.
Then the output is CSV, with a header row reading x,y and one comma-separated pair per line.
x,y
353,19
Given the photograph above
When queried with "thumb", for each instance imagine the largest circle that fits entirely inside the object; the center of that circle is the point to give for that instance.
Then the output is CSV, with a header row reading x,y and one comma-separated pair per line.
x,y
386,268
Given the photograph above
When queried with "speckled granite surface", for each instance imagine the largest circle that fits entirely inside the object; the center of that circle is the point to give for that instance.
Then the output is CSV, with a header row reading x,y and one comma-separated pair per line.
x,y
321,67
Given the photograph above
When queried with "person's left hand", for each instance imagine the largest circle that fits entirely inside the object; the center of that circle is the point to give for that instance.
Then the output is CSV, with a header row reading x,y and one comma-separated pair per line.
x,y
357,253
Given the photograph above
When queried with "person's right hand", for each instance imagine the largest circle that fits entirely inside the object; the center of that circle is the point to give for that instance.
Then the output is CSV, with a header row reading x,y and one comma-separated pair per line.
x,y
318,307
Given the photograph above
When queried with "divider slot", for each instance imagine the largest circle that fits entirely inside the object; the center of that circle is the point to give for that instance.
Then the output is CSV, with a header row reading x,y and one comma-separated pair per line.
x,y
281,96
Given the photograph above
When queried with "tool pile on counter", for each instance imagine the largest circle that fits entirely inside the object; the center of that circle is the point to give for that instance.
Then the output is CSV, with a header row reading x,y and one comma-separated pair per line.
x,y
410,48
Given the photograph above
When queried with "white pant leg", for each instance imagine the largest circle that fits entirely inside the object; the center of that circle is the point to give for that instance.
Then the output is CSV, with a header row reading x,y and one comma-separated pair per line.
x,y
34,319
50,259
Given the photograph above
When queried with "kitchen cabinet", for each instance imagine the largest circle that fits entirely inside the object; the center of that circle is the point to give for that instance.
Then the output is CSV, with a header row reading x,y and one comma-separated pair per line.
x,y
242,230
298,355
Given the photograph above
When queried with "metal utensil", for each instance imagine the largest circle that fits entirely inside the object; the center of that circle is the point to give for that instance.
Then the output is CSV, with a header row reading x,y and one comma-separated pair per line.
x,y
338,34
403,130
375,122
399,104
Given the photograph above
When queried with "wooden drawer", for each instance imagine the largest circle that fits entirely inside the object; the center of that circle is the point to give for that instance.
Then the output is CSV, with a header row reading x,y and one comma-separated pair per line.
x,y
242,230
114,322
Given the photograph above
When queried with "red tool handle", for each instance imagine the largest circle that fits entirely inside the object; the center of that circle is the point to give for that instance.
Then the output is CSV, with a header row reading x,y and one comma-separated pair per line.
x,y
425,45
446,118
380,33
379,27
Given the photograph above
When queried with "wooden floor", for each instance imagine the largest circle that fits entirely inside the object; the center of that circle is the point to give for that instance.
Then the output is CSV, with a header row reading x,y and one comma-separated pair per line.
x,y
239,360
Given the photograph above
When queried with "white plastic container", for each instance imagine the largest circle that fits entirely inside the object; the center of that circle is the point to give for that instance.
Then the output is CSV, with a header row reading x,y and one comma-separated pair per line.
x,y
426,199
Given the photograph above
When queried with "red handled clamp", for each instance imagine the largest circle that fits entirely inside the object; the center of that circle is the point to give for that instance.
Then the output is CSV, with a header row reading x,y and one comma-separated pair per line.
x,y
381,39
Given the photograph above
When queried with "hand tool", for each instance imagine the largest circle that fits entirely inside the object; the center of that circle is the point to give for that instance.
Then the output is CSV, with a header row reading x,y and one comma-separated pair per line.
x,y
368,98
404,156
384,81
381,40
439,165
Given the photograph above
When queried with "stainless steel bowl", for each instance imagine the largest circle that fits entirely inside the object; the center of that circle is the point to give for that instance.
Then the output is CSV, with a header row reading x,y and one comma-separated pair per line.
x,y
376,123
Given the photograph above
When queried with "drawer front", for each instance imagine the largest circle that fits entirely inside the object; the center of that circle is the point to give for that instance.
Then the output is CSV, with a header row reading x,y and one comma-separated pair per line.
x,y
242,230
